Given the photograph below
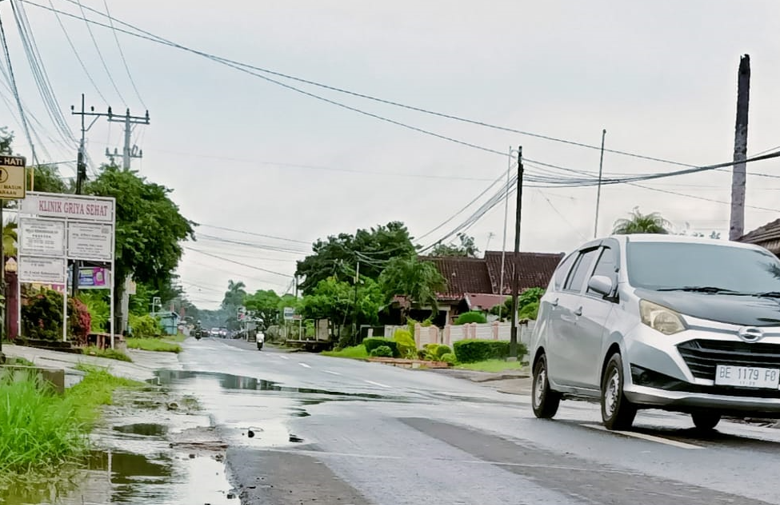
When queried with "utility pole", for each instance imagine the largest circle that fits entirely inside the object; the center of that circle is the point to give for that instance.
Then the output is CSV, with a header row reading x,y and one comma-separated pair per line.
x,y
355,324
515,258
739,174
128,153
81,175
598,192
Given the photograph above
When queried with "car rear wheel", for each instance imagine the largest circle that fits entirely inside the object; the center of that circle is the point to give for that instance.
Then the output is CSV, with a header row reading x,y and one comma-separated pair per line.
x,y
616,411
705,421
544,400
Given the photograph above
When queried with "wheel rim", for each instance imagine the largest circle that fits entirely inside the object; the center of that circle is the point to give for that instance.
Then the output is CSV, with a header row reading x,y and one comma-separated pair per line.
x,y
541,381
611,394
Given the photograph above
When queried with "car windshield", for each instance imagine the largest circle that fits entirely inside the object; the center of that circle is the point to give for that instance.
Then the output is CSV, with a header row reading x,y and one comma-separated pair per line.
x,y
702,267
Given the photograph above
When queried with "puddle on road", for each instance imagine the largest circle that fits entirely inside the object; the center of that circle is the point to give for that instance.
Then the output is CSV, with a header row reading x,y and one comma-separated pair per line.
x,y
143,429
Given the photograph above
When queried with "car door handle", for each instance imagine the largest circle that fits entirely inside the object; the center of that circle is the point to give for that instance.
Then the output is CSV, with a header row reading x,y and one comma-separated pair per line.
x,y
554,303
578,312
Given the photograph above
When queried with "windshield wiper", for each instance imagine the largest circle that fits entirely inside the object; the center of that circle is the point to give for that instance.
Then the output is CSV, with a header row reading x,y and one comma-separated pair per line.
x,y
702,289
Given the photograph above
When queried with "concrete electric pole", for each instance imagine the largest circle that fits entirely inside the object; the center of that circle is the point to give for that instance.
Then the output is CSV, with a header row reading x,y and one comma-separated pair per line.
x,y
739,174
515,257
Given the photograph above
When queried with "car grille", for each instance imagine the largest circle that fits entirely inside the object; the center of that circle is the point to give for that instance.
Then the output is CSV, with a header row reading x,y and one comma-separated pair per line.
x,y
702,356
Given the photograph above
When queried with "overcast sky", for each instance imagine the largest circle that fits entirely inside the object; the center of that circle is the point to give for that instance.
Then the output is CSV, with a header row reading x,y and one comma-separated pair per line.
x,y
243,153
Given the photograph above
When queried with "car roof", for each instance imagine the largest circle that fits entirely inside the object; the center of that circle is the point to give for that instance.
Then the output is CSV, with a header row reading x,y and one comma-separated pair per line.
x,y
680,239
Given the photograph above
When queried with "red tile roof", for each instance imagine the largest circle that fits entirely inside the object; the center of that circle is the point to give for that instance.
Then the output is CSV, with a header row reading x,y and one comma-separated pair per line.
x,y
463,275
767,236
534,269
483,302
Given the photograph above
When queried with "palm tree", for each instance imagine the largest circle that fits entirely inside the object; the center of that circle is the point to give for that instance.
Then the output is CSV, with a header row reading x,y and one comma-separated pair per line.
x,y
234,297
418,281
641,223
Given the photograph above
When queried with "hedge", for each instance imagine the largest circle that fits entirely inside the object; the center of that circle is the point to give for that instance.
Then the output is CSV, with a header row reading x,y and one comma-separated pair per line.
x,y
471,317
471,351
382,351
372,343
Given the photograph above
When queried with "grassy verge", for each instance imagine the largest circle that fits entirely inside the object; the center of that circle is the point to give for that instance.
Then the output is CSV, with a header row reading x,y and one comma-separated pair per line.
x,y
107,353
179,337
19,362
357,352
41,431
492,365
153,344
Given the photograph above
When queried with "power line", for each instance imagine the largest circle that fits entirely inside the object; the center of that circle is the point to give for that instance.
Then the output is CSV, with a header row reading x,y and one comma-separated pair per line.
x,y
253,233
100,54
199,235
237,262
15,91
122,54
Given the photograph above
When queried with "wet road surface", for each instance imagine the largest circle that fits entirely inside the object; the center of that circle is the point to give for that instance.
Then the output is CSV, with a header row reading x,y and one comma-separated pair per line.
x,y
304,428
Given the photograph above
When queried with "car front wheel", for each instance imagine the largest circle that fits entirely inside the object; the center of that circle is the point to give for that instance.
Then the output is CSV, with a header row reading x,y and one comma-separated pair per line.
x,y
544,400
616,411
705,421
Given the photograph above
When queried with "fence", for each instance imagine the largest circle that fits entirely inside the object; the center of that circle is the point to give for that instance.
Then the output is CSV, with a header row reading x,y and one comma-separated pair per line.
x,y
451,334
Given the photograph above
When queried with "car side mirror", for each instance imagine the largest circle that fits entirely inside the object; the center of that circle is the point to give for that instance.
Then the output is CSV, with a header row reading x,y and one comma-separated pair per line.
x,y
601,284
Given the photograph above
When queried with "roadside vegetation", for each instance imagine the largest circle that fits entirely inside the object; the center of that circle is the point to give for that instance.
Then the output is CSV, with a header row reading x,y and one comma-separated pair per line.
x,y
42,432
492,365
153,344
106,353
355,352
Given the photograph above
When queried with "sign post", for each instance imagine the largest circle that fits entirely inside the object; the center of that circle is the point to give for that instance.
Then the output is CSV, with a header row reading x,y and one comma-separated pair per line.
x,y
57,228
13,186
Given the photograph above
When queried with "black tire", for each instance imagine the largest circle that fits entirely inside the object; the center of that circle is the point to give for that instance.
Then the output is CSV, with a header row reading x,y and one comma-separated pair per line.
x,y
544,400
617,412
705,421
260,347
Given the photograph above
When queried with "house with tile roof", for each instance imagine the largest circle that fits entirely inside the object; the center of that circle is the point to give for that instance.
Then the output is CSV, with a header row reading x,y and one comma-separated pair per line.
x,y
767,236
474,283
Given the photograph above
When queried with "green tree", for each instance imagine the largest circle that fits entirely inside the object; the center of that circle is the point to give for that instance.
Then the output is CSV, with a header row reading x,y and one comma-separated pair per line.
x,y
149,228
335,300
418,281
265,305
466,249
6,139
47,179
641,223
9,239
337,256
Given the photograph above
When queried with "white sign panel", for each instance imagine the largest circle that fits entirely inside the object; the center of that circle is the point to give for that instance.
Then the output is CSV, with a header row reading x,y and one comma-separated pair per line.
x,y
69,207
42,270
289,312
91,242
39,237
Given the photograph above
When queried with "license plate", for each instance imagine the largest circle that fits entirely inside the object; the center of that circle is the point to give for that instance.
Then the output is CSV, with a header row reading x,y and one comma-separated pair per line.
x,y
749,377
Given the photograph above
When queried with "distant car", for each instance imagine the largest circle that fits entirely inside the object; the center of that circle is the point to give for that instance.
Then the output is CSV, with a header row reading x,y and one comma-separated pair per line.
x,y
215,332
660,321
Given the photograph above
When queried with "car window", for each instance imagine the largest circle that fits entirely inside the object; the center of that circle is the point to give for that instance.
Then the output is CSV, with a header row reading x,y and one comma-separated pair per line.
x,y
563,271
581,270
606,265
674,265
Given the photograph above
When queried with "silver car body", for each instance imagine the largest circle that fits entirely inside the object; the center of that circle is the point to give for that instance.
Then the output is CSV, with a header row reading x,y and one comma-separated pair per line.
x,y
578,330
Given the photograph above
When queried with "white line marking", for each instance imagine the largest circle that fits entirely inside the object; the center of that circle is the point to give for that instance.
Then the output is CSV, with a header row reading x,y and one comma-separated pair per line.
x,y
332,373
283,357
378,384
644,436
304,365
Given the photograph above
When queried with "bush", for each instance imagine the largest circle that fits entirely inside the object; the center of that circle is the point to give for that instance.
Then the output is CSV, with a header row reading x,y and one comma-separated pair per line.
x,y
471,317
145,327
434,352
42,315
107,353
449,358
372,343
406,346
79,320
382,351
99,310
471,351
530,311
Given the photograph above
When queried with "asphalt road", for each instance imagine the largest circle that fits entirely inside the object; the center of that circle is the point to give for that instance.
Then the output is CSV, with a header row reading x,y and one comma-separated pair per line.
x,y
304,428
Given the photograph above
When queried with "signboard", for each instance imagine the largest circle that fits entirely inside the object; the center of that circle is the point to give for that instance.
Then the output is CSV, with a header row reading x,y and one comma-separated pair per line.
x,y
90,241
42,270
13,177
289,313
94,278
69,207
41,237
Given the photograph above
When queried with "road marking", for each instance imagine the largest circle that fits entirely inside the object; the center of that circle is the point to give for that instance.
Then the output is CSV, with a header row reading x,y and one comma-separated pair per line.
x,y
332,373
378,384
645,436
304,365
283,357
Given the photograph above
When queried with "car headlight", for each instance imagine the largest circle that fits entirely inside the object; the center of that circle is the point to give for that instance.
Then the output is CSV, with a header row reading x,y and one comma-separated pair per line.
x,y
660,318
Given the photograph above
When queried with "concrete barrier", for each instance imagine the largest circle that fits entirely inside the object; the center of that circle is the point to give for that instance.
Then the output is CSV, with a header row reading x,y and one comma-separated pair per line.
x,y
54,376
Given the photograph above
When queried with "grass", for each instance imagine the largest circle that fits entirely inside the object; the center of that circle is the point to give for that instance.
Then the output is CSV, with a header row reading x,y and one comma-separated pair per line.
x,y
107,353
153,344
19,362
179,337
357,352
41,431
491,365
